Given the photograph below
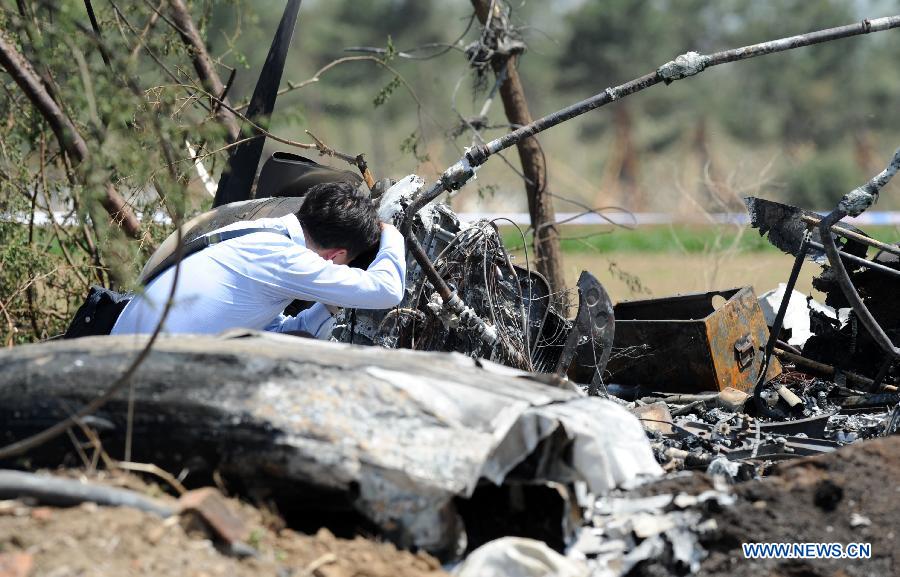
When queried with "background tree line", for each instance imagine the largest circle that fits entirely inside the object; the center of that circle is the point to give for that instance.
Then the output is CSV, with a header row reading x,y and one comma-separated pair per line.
x,y
810,123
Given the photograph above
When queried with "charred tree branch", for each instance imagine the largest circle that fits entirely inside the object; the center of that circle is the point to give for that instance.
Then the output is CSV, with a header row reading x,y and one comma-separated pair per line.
x,y
854,203
688,64
685,65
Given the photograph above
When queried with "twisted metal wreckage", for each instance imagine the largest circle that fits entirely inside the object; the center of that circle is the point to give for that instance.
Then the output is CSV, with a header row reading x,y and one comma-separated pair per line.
x,y
492,308
409,442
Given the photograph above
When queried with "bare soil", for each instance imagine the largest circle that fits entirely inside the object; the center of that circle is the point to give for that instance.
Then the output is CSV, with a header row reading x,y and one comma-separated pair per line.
x,y
849,496
815,500
91,541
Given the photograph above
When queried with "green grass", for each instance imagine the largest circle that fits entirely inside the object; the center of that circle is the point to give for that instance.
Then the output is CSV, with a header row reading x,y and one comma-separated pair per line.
x,y
680,238
692,239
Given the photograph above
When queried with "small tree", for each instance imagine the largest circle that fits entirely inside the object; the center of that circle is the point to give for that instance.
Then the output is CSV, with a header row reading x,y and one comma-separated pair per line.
x,y
99,107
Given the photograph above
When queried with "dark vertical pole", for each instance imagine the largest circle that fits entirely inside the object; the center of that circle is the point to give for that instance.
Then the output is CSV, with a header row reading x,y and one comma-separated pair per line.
x,y
782,310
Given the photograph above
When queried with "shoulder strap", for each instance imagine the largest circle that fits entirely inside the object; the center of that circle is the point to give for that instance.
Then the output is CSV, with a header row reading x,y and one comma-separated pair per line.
x,y
203,242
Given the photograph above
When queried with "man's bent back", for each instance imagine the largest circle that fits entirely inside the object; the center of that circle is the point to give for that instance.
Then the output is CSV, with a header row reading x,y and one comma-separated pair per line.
x,y
248,281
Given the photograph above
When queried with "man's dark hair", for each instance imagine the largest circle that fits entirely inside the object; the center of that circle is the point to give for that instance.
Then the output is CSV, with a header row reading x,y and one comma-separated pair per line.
x,y
337,215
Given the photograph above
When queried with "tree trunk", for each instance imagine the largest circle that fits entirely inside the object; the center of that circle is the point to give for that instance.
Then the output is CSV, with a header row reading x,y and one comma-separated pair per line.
x,y
620,173
864,150
709,178
629,167
70,141
547,254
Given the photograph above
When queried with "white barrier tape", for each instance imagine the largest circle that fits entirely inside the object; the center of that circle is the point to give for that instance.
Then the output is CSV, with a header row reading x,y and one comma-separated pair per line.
x,y
883,218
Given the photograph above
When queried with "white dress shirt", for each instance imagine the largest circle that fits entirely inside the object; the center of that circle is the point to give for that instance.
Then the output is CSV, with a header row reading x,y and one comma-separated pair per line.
x,y
247,282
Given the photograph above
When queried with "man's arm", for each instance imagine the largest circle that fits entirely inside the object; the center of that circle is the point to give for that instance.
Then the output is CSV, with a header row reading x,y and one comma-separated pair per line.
x,y
317,320
303,274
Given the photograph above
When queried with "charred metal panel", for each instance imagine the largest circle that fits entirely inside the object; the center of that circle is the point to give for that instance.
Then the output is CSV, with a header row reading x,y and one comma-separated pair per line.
x,y
398,437
286,174
690,343
237,178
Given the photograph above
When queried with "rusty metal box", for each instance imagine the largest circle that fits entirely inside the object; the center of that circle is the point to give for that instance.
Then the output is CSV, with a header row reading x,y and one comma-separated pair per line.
x,y
689,343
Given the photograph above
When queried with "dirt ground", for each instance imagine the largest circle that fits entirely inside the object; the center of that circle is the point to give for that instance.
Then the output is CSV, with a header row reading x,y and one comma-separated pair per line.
x,y
91,541
849,496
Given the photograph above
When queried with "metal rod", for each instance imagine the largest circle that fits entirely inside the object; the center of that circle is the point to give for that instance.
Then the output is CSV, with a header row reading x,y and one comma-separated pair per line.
x,y
859,307
678,398
485,332
861,238
882,372
881,399
860,261
782,309
774,332
430,272
822,368
66,492
685,65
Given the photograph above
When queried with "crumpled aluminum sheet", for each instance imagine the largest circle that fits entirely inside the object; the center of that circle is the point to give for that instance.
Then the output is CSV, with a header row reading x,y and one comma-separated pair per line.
x,y
407,431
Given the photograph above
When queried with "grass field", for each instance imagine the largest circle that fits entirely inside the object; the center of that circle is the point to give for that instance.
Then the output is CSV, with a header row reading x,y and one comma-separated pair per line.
x,y
666,260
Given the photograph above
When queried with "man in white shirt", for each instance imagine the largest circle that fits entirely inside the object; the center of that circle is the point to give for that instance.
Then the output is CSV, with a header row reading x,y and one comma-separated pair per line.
x,y
247,281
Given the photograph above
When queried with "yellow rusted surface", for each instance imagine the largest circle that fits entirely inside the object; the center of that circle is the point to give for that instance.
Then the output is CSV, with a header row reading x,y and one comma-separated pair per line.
x,y
736,335
691,343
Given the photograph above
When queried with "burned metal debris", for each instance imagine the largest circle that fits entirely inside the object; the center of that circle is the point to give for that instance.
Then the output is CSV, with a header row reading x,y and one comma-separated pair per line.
x,y
464,294
625,530
432,451
445,453
829,380
841,377
863,343
716,337
804,415
392,441
726,396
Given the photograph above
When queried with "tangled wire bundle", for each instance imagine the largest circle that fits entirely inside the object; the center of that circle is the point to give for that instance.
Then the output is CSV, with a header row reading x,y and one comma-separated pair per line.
x,y
477,265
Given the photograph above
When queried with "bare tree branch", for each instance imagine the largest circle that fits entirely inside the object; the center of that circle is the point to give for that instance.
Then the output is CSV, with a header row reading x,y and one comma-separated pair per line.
x,y
70,140
142,37
322,148
203,64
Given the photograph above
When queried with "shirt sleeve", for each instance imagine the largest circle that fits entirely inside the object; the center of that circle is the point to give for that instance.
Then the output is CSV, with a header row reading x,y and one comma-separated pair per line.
x,y
304,274
316,320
